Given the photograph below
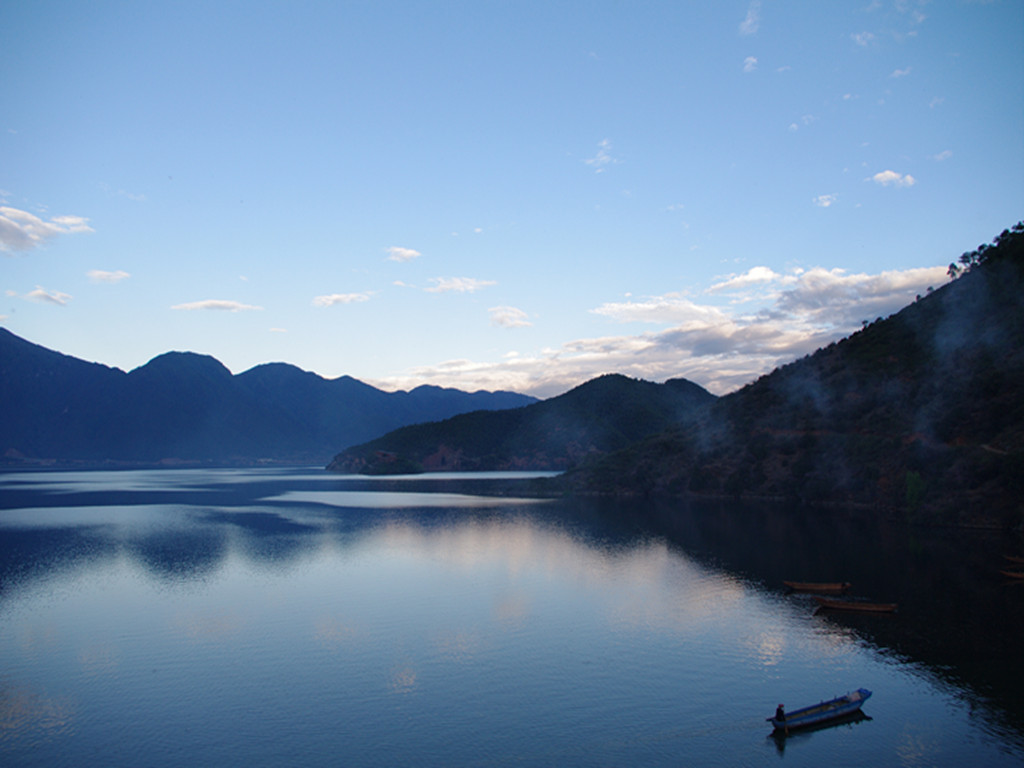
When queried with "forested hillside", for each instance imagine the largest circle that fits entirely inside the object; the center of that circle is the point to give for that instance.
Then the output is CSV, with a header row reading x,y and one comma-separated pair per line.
x,y
602,415
920,413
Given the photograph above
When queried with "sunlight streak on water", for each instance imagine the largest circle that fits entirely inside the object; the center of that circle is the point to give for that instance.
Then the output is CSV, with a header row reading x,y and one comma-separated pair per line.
x,y
392,500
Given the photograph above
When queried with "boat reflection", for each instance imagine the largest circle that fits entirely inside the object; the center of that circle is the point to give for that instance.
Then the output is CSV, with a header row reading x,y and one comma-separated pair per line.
x,y
781,739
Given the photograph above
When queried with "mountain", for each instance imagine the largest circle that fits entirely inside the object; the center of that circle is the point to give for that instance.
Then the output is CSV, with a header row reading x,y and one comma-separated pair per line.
x,y
920,413
189,407
602,415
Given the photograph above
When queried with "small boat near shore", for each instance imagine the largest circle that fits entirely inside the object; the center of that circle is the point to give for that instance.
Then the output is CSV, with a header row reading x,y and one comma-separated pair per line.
x,y
855,605
819,587
1015,559
839,707
1013,574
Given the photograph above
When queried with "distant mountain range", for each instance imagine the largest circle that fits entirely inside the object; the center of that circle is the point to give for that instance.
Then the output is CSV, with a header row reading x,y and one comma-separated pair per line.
x,y
921,414
185,407
603,415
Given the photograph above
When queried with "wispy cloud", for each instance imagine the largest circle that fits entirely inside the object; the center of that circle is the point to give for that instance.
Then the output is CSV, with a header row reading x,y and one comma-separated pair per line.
x,y
330,300
23,231
719,347
825,201
458,284
220,305
103,276
943,155
397,253
892,179
602,158
862,38
750,64
670,308
805,119
900,72
44,296
509,317
752,21
137,197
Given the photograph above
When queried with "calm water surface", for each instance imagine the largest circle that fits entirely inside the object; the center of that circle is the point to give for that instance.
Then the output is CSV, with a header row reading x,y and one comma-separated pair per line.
x,y
285,617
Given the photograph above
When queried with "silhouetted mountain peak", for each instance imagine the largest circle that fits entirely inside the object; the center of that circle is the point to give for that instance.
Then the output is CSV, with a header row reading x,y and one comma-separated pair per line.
x,y
185,364
278,374
600,415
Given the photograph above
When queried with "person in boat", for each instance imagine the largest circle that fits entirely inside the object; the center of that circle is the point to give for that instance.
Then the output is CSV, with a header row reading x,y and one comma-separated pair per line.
x,y
780,713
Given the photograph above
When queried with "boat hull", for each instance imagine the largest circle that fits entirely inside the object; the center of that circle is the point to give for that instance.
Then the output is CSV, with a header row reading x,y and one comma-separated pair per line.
x,y
837,708
855,605
822,588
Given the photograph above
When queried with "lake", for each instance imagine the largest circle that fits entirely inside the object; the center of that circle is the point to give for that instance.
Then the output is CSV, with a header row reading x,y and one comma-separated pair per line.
x,y
267,617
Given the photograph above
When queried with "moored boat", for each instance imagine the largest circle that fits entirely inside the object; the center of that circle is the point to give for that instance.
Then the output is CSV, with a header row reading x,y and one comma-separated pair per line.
x,y
1013,574
1015,559
841,706
855,605
820,587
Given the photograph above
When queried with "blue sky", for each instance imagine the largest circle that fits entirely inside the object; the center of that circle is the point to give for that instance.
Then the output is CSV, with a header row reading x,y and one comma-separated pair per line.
x,y
496,195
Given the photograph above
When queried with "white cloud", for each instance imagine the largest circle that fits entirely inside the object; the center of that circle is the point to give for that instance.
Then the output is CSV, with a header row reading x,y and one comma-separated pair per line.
x,y
102,276
824,201
900,72
397,253
340,298
835,298
602,158
944,155
750,64
719,348
892,179
23,231
752,22
670,308
43,296
221,305
509,317
458,284
862,38
753,276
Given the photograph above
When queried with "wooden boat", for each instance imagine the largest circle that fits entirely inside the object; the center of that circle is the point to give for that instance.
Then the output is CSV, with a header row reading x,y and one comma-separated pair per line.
x,y
1015,559
855,605
1013,574
841,706
821,587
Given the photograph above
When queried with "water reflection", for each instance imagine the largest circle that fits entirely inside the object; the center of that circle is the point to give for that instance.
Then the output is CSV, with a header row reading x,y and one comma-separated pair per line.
x,y
602,620
956,616
781,739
